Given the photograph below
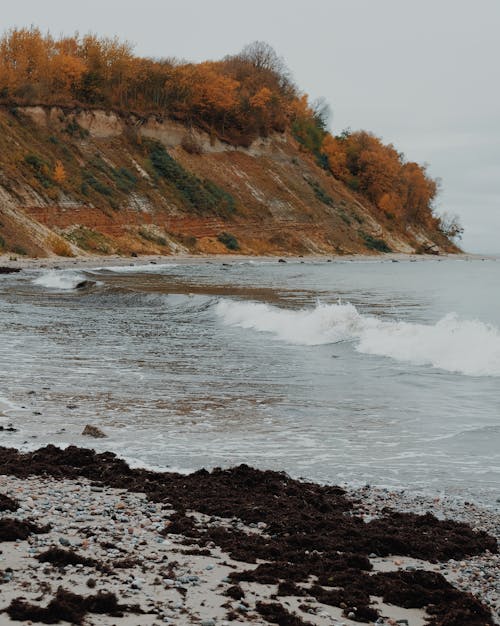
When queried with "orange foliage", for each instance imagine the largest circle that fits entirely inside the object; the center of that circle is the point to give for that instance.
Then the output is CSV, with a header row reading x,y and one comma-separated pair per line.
x,y
239,98
337,159
398,188
59,175
261,98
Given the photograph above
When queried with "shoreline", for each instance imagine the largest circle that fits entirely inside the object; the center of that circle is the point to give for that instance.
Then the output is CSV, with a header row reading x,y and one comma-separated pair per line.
x,y
211,548
92,261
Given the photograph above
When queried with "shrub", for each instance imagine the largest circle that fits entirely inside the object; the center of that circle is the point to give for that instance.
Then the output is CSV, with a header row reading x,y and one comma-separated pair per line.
x,y
150,235
353,183
19,250
125,180
309,134
2,243
229,241
40,169
198,194
320,193
373,243
59,246
91,181
88,239
74,129
36,162
344,217
191,145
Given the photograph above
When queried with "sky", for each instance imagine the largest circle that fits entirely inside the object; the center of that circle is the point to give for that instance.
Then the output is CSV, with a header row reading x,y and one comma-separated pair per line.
x,y
421,75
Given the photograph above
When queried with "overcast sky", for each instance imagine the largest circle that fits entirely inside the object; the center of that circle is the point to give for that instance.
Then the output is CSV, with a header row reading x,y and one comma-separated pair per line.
x,y
423,75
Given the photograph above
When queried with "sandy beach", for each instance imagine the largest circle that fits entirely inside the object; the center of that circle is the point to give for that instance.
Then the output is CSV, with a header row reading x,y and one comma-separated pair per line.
x,y
93,261
232,546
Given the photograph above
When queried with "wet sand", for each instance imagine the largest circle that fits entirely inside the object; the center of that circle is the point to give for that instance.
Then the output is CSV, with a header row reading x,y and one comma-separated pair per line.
x,y
232,546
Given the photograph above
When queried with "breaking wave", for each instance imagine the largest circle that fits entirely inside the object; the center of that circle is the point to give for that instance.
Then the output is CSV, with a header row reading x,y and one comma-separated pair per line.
x,y
57,279
469,347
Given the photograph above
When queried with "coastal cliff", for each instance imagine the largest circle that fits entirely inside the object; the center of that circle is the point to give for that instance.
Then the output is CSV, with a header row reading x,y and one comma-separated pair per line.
x,y
75,181
103,151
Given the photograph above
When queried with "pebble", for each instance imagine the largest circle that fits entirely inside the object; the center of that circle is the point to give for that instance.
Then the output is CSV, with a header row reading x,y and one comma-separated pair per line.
x,y
479,574
131,526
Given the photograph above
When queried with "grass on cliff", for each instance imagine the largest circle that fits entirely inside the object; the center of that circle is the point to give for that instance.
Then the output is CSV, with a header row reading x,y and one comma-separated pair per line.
x,y
201,195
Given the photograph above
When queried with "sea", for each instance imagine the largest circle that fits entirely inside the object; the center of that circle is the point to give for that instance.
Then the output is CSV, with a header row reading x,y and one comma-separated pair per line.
x,y
367,371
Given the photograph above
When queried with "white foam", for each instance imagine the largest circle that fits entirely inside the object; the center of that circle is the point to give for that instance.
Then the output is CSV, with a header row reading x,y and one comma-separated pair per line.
x,y
469,347
59,279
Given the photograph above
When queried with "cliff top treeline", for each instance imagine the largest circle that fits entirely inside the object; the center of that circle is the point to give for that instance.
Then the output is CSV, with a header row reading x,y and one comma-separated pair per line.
x,y
237,99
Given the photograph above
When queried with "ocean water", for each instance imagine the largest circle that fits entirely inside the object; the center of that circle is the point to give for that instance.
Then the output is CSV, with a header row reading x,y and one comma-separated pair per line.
x,y
347,371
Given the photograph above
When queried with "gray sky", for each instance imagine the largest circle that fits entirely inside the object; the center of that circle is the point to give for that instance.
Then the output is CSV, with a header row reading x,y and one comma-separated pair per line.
x,y
423,75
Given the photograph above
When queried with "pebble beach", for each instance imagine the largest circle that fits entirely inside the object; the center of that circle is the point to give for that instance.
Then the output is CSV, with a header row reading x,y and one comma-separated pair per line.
x,y
93,540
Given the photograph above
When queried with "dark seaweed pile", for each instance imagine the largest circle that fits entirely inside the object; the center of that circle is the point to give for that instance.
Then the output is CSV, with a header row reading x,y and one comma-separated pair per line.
x,y
8,504
14,530
310,530
9,270
69,607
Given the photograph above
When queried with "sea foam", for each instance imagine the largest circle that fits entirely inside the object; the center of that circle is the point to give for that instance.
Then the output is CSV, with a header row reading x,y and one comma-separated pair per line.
x,y
469,347
59,279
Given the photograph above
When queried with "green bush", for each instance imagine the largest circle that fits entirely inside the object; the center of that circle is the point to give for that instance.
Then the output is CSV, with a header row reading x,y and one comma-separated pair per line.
x,y
40,169
36,162
91,181
125,180
2,243
320,193
19,250
309,134
372,243
353,183
344,217
74,129
229,241
203,195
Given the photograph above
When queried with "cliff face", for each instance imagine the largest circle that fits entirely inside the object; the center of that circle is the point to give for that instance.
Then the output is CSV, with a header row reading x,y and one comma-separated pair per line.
x,y
76,181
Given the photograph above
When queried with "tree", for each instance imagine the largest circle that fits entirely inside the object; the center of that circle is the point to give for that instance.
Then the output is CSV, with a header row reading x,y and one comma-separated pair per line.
x,y
450,226
261,98
336,156
59,174
264,57
322,113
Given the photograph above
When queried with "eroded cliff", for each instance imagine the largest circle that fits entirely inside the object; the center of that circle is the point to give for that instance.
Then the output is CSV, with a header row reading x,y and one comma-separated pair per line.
x,y
93,181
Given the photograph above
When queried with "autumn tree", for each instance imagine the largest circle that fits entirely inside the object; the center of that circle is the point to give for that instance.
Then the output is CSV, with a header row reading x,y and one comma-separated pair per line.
x,y
239,98
398,188
59,174
336,157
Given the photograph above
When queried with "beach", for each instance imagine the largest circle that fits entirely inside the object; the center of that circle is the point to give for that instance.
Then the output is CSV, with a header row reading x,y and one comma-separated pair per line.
x,y
115,260
354,373
233,546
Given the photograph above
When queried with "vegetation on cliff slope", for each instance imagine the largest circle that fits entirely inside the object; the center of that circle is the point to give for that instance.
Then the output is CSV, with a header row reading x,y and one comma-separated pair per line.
x,y
236,100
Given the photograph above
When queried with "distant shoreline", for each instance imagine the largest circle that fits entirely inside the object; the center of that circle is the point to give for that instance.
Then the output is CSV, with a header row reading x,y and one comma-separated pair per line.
x,y
90,261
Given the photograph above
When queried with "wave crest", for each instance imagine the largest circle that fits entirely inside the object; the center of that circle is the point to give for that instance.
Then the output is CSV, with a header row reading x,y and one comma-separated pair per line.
x,y
469,347
56,279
